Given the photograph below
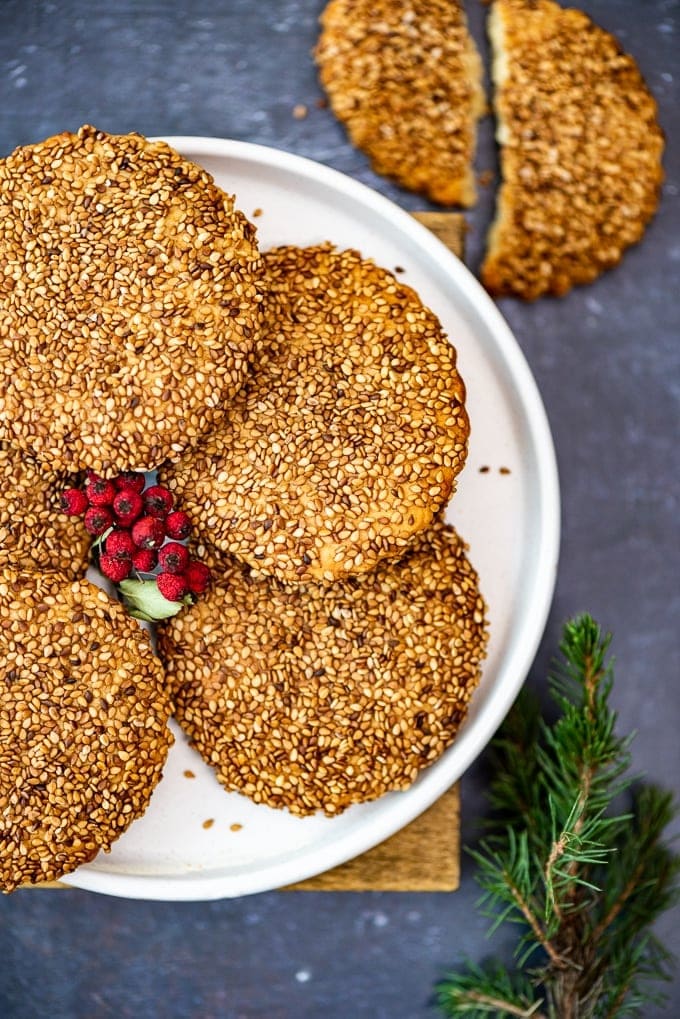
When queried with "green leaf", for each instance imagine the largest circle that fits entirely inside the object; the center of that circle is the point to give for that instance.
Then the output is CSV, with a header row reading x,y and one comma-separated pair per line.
x,y
145,601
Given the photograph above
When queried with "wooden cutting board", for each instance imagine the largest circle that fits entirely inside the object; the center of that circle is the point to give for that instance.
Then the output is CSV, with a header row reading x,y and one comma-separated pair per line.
x,y
425,855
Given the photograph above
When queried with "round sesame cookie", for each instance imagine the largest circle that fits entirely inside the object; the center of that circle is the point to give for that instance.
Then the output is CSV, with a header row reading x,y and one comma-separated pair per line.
x,y
314,697
581,150
129,301
33,530
406,81
83,724
348,436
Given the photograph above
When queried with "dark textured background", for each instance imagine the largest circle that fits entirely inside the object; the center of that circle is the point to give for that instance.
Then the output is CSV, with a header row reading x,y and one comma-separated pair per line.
x,y
606,361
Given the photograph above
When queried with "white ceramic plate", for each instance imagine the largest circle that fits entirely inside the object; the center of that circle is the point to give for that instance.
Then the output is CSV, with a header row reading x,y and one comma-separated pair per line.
x,y
511,521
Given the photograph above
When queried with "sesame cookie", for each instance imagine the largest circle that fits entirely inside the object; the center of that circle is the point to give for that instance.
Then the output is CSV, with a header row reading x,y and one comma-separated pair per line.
x,y
129,301
580,150
33,530
83,724
406,81
314,697
348,436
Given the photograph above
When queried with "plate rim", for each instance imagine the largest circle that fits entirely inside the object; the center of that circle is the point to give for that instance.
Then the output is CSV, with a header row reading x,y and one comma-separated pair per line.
x,y
513,670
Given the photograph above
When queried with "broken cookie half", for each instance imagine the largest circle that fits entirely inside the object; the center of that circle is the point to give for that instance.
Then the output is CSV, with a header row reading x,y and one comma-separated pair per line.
x,y
581,150
406,81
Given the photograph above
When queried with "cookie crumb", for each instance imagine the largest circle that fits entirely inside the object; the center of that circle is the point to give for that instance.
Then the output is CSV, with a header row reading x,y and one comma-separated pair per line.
x,y
399,268
300,111
484,470
257,213
321,103
485,178
235,827
189,774
209,822
503,470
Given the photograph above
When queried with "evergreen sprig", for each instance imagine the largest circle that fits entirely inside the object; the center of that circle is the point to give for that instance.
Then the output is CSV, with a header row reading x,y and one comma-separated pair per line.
x,y
585,881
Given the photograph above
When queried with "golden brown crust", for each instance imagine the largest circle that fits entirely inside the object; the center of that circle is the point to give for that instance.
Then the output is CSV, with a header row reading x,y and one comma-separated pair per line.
x,y
315,697
129,301
33,530
349,435
83,724
580,150
406,80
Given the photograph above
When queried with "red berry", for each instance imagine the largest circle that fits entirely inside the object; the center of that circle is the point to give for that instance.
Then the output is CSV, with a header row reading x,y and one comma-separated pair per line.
x,y
120,543
116,568
172,586
173,557
144,560
198,577
97,520
73,502
178,525
99,492
157,501
128,506
148,533
130,479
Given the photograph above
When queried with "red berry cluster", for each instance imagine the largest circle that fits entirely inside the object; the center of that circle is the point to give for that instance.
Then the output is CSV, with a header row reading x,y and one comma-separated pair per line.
x,y
138,521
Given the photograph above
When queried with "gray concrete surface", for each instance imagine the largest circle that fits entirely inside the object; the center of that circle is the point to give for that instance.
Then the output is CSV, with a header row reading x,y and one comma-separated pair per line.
x,y
606,360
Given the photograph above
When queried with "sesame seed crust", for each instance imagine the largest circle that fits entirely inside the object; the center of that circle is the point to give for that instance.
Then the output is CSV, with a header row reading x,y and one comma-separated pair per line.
x,y
581,150
349,434
83,724
129,300
406,80
314,697
33,530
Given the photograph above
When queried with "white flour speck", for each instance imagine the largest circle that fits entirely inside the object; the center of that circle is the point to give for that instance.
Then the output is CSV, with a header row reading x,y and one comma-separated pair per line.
x,y
303,975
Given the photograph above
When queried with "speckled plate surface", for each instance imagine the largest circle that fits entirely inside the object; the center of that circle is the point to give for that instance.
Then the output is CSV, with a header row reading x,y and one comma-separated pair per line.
x,y
506,507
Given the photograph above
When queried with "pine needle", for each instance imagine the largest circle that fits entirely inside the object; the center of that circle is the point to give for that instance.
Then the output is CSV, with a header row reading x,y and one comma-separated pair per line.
x,y
584,882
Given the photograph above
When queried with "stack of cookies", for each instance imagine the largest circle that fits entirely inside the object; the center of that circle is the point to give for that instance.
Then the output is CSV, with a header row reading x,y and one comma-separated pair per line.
x,y
306,410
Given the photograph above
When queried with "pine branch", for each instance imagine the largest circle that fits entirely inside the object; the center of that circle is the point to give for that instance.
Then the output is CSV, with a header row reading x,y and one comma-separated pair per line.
x,y
584,882
489,990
